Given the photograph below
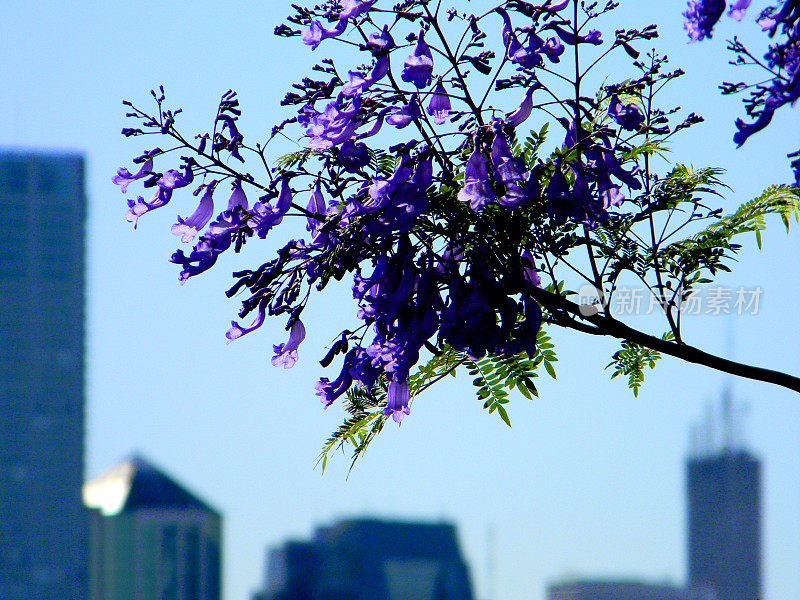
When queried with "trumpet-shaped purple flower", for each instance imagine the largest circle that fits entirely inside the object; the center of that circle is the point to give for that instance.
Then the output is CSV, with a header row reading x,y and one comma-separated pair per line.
x,y
627,116
329,391
401,117
169,181
359,83
419,66
314,35
286,354
141,206
353,156
701,16
335,125
355,8
738,9
568,37
477,190
519,116
190,227
380,42
238,198
173,179
236,331
123,178
439,106
317,209
508,168
397,401
265,217
529,270
203,256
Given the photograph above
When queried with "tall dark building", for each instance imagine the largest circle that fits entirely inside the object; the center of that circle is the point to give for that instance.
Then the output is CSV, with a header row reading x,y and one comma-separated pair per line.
x,y
370,559
724,519
42,520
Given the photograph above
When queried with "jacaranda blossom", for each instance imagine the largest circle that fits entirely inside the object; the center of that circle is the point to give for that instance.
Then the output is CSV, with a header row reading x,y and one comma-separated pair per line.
x,y
701,16
439,106
477,190
286,354
419,66
627,116
314,35
190,227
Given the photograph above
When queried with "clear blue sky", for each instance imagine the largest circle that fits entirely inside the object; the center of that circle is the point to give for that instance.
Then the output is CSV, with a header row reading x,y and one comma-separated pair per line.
x,y
588,481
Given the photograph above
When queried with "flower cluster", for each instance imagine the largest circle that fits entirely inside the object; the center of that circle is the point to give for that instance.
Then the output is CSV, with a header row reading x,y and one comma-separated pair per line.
x,y
782,59
447,231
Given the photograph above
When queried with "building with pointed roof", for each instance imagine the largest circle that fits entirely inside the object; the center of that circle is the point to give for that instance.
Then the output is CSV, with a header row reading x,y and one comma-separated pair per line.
x,y
149,537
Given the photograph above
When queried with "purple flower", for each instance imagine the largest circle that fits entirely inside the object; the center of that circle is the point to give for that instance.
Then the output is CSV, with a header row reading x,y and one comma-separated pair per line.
x,y
265,217
376,127
524,111
477,190
286,354
203,256
627,116
236,331
173,179
358,83
397,401
701,16
329,391
123,177
237,199
336,124
189,228
317,209
355,8
507,167
314,35
352,156
439,106
419,66
738,9
403,116
380,41
236,138
569,37
529,271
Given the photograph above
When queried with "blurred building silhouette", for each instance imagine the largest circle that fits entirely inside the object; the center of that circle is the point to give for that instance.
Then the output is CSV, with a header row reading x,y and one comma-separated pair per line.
x,y
622,590
724,511
42,520
150,539
370,559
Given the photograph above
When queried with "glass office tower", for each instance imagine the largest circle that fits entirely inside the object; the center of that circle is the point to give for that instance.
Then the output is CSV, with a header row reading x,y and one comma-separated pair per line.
x,y
43,524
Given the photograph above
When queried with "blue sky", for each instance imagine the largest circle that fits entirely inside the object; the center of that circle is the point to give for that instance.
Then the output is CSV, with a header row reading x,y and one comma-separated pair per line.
x,y
588,481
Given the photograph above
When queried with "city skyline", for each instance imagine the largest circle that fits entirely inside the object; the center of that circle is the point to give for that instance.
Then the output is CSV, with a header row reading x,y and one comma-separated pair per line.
x,y
588,479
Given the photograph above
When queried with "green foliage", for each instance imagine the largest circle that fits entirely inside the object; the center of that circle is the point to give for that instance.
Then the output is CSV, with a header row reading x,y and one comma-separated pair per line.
x,y
694,258
366,420
631,361
297,159
495,376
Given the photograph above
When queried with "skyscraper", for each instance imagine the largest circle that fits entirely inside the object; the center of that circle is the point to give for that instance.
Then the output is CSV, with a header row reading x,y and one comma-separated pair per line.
x,y
370,559
43,524
150,538
724,515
